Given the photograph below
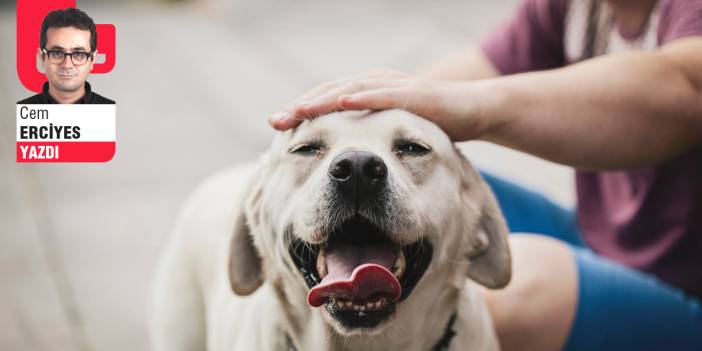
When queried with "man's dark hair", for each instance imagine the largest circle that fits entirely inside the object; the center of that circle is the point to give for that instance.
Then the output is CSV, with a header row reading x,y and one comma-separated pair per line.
x,y
69,17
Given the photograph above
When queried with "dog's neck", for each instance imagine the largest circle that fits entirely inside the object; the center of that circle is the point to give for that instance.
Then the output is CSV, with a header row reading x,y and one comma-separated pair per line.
x,y
305,328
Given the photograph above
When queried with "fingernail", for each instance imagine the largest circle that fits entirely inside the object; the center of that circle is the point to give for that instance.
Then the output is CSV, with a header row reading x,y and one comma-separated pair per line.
x,y
279,116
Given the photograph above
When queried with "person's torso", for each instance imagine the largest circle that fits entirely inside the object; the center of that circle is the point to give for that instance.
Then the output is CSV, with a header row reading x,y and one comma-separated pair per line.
x,y
650,218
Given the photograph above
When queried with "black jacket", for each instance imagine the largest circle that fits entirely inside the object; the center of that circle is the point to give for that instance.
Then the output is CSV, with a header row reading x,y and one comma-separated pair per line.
x,y
90,97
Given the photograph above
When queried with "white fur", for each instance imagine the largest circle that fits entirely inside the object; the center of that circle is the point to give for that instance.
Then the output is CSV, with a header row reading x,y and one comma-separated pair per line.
x,y
194,307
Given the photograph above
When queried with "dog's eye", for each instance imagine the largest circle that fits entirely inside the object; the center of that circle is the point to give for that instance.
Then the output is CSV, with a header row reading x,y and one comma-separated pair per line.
x,y
311,149
412,148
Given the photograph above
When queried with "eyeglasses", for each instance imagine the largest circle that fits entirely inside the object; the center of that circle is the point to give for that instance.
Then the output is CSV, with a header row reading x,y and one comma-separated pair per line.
x,y
57,57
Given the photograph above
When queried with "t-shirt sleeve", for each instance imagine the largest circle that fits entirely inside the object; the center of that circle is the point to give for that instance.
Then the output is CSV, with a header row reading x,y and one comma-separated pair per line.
x,y
679,19
531,40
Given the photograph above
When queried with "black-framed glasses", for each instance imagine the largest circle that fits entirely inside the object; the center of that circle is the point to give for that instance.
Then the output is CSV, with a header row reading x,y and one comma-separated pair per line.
x,y
57,57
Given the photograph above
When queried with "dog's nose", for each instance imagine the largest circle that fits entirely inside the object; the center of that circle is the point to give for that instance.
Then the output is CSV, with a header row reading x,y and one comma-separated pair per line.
x,y
358,174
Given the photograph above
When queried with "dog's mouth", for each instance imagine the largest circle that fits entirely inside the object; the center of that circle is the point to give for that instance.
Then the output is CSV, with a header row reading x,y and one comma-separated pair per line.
x,y
359,274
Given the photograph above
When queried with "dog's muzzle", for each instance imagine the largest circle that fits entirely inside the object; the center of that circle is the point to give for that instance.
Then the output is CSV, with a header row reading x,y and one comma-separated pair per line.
x,y
359,272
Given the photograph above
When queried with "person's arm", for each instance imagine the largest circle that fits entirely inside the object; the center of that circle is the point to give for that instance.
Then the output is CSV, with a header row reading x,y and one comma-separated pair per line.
x,y
468,63
618,111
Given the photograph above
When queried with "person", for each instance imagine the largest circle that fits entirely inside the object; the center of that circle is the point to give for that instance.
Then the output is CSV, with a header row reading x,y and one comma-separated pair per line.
x,y
612,88
68,48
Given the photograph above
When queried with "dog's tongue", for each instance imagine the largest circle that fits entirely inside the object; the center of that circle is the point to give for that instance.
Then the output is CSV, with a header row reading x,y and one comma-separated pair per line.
x,y
357,273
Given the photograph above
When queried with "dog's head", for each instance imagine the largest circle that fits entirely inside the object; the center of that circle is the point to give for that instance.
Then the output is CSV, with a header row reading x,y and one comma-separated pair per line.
x,y
355,210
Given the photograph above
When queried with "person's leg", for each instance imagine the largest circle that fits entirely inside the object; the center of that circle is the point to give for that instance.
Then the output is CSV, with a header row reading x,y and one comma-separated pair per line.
x,y
530,212
568,298
536,310
623,309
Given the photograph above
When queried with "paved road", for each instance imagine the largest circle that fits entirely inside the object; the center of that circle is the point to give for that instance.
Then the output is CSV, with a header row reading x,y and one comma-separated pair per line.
x,y
194,83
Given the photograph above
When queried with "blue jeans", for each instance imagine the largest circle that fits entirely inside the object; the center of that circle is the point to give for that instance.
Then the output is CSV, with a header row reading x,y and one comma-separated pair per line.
x,y
618,308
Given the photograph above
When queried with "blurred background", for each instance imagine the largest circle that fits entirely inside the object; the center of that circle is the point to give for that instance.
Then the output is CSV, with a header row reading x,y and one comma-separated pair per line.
x,y
194,83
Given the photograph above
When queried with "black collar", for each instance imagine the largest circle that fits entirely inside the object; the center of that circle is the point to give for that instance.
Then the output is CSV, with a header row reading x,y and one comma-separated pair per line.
x,y
87,98
441,345
449,333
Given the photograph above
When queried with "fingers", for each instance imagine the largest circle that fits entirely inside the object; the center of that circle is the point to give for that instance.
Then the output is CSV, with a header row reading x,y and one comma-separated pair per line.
x,y
329,101
380,99
323,98
325,87
283,121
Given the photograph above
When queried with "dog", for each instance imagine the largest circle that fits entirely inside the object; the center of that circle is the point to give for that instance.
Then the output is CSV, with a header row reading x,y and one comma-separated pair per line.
x,y
355,231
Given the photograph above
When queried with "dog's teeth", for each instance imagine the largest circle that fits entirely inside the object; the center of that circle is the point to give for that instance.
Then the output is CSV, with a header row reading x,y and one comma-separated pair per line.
x,y
340,304
349,304
398,268
322,263
369,305
378,304
362,307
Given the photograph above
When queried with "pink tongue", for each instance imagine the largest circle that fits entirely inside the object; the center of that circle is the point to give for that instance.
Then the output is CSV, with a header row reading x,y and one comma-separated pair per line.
x,y
357,273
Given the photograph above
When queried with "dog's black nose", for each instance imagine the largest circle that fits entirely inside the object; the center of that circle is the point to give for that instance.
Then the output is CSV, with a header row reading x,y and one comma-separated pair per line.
x,y
358,175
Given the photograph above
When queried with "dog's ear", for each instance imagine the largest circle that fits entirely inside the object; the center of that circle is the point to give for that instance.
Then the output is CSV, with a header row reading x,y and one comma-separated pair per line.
x,y
245,266
489,256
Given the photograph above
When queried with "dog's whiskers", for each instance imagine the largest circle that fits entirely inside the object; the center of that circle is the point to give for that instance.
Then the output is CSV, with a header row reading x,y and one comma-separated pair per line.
x,y
296,248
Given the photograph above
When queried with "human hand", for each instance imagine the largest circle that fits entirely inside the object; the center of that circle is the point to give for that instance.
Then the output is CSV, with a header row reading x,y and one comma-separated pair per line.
x,y
449,104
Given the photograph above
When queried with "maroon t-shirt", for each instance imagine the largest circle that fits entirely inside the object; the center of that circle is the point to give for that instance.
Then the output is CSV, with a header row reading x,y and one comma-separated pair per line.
x,y
650,218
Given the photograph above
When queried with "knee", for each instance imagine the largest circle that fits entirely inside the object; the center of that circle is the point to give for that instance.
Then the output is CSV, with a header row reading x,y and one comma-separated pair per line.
x,y
540,262
539,304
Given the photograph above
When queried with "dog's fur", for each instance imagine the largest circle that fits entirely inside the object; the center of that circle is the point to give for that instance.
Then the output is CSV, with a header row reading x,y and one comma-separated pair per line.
x,y
227,281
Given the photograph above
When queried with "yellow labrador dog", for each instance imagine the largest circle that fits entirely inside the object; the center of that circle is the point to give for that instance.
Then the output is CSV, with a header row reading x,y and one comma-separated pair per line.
x,y
355,231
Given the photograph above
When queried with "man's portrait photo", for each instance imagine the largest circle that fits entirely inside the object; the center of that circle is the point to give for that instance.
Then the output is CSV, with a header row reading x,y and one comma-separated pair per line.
x,y
67,52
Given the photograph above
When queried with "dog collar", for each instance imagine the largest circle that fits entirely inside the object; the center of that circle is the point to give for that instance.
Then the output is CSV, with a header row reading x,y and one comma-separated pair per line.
x,y
441,345
449,333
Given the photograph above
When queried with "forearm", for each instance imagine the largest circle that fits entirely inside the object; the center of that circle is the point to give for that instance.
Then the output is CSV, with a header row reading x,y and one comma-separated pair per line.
x,y
613,112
